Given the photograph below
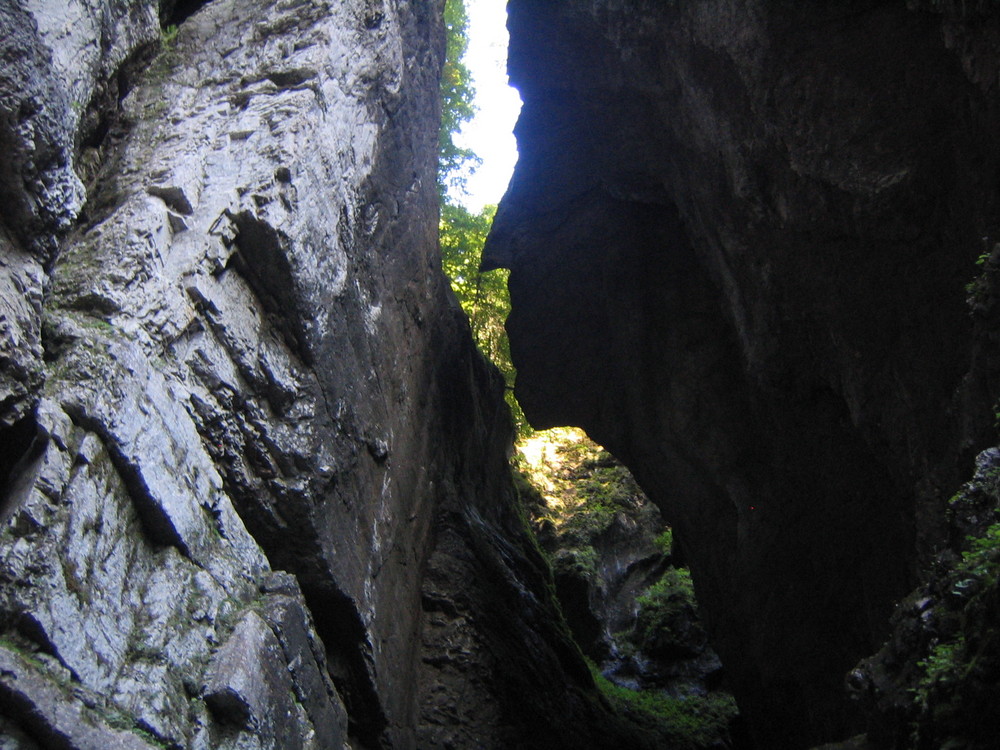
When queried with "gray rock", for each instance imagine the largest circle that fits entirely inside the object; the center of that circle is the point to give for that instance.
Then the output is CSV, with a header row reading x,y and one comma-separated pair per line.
x,y
306,660
21,369
63,55
52,714
246,685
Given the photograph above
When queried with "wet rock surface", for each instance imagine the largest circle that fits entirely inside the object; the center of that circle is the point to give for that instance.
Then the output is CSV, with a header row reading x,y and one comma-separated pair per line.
x,y
739,237
255,479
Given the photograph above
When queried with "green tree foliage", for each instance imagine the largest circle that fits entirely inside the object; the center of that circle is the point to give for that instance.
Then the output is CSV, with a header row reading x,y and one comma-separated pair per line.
x,y
457,94
483,296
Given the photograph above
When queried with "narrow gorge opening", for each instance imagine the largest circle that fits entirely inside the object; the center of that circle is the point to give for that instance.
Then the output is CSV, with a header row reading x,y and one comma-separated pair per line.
x,y
477,152
620,579
625,591
259,488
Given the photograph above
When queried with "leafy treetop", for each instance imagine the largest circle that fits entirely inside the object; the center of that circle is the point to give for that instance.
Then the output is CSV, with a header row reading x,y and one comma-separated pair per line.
x,y
455,164
484,297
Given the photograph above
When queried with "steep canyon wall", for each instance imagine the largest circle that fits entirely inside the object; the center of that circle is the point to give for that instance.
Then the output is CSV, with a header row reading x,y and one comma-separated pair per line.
x,y
254,474
255,479
740,234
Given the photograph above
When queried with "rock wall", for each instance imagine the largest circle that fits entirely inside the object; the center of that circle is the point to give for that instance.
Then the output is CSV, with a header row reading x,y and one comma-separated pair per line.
x,y
740,235
255,489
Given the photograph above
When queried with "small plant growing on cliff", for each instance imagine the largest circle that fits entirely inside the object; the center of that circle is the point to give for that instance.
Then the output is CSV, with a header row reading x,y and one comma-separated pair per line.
x,y
168,36
665,541
982,556
942,668
988,543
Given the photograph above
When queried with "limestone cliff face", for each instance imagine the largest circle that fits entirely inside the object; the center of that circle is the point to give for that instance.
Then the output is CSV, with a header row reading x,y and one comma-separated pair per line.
x,y
255,480
740,235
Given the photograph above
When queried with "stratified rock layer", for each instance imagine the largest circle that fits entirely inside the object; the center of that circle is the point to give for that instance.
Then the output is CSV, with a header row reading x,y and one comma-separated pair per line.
x,y
254,472
739,235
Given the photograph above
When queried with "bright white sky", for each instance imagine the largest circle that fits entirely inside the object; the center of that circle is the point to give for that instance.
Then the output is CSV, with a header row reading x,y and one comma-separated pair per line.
x,y
489,134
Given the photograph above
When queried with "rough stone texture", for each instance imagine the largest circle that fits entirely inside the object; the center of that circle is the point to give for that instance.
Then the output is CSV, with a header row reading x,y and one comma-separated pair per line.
x,y
129,590
60,56
291,622
499,642
628,607
240,357
21,343
934,683
60,69
600,602
739,235
245,687
59,718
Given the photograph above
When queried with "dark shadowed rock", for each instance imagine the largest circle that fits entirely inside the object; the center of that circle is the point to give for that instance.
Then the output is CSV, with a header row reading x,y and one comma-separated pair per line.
x,y
740,235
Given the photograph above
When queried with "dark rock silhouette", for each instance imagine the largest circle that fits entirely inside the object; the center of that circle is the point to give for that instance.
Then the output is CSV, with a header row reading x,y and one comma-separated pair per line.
x,y
739,237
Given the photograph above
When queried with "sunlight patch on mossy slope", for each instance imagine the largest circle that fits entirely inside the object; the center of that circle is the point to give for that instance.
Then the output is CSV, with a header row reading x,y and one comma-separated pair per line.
x,y
580,482
576,493
684,723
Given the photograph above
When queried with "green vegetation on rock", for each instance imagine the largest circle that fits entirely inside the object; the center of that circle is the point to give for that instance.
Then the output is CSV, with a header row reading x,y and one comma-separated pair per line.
x,y
580,492
957,691
667,615
937,680
457,107
683,723
588,511
483,296
583,485
665,540
168,35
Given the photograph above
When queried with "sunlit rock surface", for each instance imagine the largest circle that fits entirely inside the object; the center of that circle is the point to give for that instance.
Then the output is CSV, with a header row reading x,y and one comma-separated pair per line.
x,y
255,479
740,235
